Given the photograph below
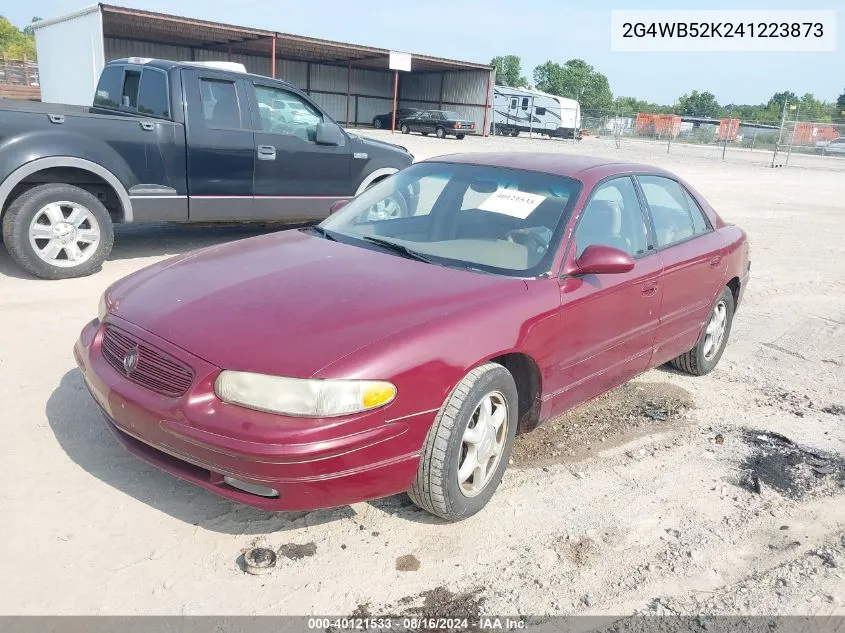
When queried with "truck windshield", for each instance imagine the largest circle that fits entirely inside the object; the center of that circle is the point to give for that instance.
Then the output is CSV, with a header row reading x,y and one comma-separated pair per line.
x,y
503,221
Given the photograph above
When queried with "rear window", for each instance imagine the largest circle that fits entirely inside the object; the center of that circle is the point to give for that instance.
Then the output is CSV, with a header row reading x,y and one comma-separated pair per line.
x,y
110,87
130,89
152,95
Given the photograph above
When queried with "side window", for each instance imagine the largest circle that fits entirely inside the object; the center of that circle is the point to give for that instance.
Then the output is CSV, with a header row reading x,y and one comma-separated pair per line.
x,y
109,87
613,217
220,106
514,104
152,94
670,212
129,97
284,112
539,111
699,220
525,103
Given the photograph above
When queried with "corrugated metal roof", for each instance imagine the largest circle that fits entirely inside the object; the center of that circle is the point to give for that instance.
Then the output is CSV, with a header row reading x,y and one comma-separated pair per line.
x,y
171,29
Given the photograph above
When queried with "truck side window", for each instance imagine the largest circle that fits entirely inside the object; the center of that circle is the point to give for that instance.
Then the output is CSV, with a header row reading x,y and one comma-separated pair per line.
x,y
152,94
129,98
283,112
220,107
109,87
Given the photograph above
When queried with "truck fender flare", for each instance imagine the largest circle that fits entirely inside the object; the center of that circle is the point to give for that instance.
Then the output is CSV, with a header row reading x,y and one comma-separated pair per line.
x,y
375,175
39,164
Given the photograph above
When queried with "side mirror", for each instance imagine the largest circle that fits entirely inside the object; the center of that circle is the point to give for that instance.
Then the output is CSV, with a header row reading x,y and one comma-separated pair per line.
x,y
337,205
328,134
598,259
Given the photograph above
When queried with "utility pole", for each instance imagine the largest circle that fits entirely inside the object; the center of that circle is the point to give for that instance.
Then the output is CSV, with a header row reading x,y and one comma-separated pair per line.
x,y
780,134
728,131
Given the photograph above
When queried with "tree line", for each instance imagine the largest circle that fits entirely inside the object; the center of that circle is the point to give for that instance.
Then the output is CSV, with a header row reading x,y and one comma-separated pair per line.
x,y
578,80
17,43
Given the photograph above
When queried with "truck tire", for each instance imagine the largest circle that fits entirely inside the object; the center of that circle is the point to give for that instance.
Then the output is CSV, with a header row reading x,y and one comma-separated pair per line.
x,y
702,358
58,231
477,422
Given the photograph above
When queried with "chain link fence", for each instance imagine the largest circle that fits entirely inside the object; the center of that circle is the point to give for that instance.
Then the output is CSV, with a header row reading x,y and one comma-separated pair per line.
x,y
804,137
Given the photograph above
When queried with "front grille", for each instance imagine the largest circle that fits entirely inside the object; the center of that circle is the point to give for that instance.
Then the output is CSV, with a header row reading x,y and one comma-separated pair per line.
x,y
154,370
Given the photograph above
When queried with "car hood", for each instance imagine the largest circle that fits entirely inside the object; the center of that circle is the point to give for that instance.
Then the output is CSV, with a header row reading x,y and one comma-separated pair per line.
x,y
291,303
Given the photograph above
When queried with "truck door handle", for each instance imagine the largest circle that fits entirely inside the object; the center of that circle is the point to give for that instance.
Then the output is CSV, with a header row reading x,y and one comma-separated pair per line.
x,y
715,261
266,152
649,290
146,125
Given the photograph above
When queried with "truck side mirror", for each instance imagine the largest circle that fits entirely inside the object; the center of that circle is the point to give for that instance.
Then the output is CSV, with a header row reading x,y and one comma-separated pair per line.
x,y
328,134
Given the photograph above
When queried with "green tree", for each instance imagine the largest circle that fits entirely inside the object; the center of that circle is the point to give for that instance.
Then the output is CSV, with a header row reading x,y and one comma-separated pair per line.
x,y
779,97
840,108
14,43
577,80
28,30
697,103
509,71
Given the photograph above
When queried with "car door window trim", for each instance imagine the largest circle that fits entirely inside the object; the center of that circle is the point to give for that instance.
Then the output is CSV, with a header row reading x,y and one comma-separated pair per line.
x,y
657,247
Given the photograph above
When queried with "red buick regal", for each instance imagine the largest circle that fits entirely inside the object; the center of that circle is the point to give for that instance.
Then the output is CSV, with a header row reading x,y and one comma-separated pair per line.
x,y
402,344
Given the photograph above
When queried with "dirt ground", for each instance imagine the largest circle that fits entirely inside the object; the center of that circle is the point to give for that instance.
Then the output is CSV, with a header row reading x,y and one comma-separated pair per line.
x,y
673,494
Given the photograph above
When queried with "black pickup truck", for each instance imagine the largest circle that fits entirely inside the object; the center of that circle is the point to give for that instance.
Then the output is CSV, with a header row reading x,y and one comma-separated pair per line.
x,y
176,142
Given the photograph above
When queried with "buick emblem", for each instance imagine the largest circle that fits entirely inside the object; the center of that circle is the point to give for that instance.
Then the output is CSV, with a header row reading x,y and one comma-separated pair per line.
x,y
130,361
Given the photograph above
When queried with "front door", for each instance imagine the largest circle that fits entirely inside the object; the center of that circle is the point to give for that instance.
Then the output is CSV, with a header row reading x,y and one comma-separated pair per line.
x,y
220,146
295,178
607,322
694,268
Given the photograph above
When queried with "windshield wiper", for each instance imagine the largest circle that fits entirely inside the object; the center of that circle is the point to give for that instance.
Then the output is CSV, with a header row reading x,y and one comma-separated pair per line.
x,y
399,248
319,230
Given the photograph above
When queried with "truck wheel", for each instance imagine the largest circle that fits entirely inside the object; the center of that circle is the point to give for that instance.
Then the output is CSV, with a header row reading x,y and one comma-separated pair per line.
x,y
440,132
702,358
377,123
467,448
58,231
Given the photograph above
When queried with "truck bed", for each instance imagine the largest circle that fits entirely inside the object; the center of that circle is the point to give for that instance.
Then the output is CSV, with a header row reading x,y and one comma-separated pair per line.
x,y
21,105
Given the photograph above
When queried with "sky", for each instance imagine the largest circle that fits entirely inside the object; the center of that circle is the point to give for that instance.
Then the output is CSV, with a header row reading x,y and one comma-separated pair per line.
x,y
537,31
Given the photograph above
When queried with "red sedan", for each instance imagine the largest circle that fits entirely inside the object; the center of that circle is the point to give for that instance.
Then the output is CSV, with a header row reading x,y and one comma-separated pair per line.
x,y
403,343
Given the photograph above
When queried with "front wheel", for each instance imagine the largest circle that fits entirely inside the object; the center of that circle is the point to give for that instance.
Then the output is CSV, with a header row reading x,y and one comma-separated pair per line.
x,y
466,451
702,358
377,123
58,231
441,133
405,129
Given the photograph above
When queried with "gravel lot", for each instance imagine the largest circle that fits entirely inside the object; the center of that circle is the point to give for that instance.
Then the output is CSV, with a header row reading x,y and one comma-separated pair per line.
x,y
673,494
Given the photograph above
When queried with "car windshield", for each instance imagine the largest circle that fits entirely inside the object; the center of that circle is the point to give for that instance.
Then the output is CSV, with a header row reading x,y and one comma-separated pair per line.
x,y
493,219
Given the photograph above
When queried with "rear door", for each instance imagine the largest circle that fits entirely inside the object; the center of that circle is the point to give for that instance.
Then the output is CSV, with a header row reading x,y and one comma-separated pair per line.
x,y
221,147
607,322
694,265
295,178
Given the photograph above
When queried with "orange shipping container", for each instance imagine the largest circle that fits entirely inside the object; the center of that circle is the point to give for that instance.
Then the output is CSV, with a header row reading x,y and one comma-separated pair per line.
x,y
812,133
657,124
728,129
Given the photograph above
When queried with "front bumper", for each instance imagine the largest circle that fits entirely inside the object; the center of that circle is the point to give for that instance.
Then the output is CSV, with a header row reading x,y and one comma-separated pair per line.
x,y
312,463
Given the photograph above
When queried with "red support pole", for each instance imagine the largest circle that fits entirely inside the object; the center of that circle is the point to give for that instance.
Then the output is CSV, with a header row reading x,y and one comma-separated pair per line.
x,y
487,106
273,59
395,94
348,90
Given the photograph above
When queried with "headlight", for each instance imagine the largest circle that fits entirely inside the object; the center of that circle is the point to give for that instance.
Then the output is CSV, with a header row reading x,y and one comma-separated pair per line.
x,y
296,396
102,309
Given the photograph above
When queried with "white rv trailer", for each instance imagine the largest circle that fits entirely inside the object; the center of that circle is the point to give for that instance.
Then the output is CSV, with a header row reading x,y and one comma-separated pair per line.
x,y
518,110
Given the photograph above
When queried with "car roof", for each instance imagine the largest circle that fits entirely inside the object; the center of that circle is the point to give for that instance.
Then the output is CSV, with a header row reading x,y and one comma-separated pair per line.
x,y
573,166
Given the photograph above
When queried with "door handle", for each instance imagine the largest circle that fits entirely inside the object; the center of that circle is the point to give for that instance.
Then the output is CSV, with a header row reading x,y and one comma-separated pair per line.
x,y
146,125
715,261
649,290
266,152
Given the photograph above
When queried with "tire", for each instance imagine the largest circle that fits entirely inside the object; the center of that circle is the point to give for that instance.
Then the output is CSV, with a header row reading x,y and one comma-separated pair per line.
x,y
436,488
514,133
424,133
405,129
440,132
460,137
699,360
36,211
377,123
